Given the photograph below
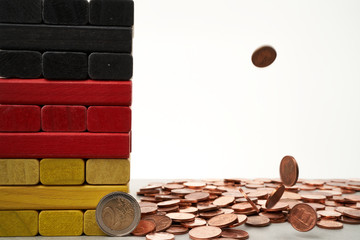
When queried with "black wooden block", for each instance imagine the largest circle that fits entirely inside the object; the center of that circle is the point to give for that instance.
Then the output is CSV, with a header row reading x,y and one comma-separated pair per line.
x,y
65,38
112,12
65,65
20,11
20,64
110,66
70,12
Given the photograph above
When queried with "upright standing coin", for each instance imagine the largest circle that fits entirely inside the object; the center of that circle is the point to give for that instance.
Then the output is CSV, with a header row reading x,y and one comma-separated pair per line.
x,y
118,214
289,171
263,56
275,196
303,217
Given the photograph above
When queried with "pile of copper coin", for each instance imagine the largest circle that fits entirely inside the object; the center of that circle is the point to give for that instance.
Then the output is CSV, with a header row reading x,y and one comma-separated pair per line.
x,y
209,209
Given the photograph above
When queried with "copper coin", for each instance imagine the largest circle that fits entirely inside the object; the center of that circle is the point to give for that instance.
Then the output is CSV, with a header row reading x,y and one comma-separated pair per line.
x,y
235,233
206,208
171,186
258,221
289,171
118,214
353,213
162,222
303,217
348,220
204,232
210,214
144,227
177,230
195,184
224,201
263,56
328,224
198,196
249,200
241,219
275,196
160,236
193,210
329,214
169,209
223,220
280,206
196,223
169,203
317,206
181,217
182,191
273,216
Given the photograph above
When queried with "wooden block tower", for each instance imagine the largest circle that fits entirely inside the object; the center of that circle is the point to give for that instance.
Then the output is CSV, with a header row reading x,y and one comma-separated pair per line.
x,y
65,116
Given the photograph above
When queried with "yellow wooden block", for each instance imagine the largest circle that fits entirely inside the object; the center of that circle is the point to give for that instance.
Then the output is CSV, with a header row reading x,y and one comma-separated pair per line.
x,y
91,227
107,171
19,171
18,223
61,223
54,197
62,171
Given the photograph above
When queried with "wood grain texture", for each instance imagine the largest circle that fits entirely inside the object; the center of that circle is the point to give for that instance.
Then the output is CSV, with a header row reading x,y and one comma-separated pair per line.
x,y
65,38
18,223
107,171
110,66
43,92
19,171
61,223
65,65
112,12
108,119
20,11
20,64
60,118
64,145
19,118
74,12
62,171
54,197
91,227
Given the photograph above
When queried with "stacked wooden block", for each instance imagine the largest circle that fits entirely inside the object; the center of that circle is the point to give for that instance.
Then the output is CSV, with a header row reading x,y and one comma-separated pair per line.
x,y
65,117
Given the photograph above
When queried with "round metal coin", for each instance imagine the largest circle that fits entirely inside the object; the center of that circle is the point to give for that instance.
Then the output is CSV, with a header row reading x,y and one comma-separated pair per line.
x,y
289,171
118,214
263,56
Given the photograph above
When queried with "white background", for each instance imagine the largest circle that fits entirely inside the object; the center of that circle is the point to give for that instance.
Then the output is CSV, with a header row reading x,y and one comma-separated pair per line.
x,y
202,110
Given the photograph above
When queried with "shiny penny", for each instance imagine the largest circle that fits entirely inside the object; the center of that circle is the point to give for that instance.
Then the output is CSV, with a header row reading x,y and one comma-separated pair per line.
x,y
275,196
258,221
162,222
204,232
144,227
224,201
160,236
289,171
328,224
198,196
118,214
303,217
263,56
235,233
223,220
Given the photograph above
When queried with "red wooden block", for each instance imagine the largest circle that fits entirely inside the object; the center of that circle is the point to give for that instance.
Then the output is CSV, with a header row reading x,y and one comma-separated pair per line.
x,y
19,118
55,118
64,145
108,119
46,92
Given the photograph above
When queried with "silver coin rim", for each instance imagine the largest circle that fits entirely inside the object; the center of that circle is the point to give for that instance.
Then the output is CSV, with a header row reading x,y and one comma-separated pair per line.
x,y
133,225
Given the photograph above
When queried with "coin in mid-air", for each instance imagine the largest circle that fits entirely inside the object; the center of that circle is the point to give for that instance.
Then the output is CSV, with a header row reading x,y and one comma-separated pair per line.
x,y
275,196
289,171
118,214
263,56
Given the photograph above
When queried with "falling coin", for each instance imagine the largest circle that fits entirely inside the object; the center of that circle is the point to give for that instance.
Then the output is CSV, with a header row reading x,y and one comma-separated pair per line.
x,y
303,217
275,196
289,171
118,214
263,56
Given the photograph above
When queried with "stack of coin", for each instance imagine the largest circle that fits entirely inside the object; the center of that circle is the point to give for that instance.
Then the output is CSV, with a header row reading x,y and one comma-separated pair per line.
x,y
215,208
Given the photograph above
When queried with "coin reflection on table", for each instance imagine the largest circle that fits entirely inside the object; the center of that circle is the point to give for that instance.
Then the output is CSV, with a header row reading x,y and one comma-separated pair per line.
x,y
118,214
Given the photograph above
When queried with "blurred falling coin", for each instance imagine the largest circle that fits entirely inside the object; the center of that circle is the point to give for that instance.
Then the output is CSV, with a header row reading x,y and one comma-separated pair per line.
x,y
303,217
275,196
289,171
263,56
118,214
204,232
